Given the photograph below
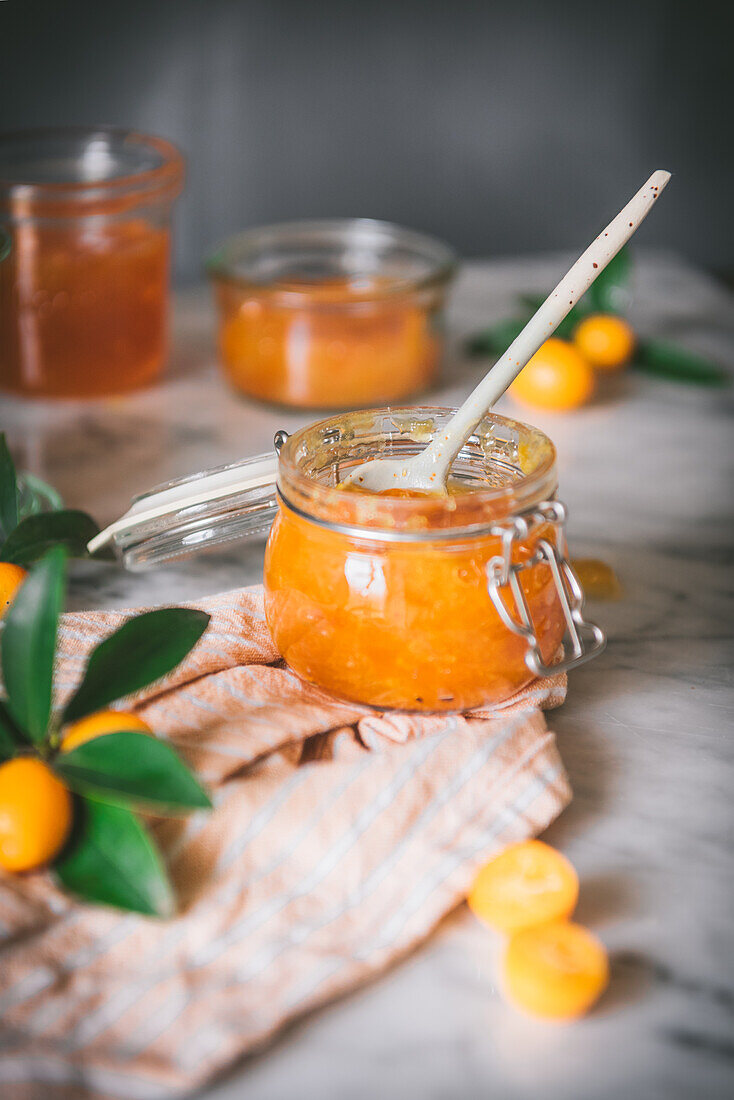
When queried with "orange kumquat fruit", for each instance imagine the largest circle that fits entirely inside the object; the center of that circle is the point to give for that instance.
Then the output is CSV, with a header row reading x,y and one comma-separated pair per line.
x,y
604,340
555,970
96,725
11,578
528,883
35,814
557,377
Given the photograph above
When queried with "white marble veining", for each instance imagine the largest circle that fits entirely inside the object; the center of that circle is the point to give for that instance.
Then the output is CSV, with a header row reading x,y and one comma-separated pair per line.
x,y
646,734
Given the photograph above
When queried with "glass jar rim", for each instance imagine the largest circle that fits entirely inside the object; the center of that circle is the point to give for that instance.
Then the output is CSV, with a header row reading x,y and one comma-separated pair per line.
x,y
222,265
23,195
371,515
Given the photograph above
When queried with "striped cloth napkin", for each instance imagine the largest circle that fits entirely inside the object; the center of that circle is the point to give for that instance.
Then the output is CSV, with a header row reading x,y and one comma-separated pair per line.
x,y
339,838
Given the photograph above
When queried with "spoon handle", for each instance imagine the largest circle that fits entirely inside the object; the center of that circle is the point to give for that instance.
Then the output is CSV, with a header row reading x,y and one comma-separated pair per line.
x,y
444,448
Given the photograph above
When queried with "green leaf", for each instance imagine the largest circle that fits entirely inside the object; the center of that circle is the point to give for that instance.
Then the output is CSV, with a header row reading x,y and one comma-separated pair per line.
x,y
112,860
608,292
8,748
29,643
495,340
533,302
132,768
10,736
670,361
142,651
8,491
8,744
34,535
566,328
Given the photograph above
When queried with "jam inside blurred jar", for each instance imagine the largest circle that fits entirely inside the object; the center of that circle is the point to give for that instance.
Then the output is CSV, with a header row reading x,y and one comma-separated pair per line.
x,y
386,600
331,314
84,288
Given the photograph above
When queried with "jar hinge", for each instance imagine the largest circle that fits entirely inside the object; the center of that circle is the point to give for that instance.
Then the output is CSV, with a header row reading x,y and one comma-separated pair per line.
x,y
584,639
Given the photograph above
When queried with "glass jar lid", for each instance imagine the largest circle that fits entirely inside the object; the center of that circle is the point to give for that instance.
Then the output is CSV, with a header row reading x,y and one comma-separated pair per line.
x,y
184,517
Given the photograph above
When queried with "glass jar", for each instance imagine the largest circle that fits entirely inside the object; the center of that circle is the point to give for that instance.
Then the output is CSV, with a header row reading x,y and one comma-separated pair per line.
x,y
84,290
331,314
434,603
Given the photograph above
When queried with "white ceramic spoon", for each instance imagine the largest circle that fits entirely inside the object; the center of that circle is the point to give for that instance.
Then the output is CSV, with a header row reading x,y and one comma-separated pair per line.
x,y
428,471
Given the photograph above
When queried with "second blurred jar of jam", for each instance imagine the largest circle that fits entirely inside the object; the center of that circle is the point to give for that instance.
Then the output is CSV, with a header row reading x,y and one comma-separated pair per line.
x,y
331,314
84,287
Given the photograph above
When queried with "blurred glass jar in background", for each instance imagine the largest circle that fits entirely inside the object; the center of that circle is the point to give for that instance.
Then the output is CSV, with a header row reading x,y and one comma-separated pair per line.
x,y
331,314
84,287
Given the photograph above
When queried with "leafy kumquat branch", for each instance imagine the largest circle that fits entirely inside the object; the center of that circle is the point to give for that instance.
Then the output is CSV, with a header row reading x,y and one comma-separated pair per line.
x,y
593,337
72,778
24,540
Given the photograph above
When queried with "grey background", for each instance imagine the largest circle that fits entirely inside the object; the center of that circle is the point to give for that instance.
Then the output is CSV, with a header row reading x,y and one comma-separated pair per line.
x,y
502,128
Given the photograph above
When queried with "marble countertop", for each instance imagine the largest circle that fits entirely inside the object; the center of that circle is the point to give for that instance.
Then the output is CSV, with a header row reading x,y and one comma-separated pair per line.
x,y
646,732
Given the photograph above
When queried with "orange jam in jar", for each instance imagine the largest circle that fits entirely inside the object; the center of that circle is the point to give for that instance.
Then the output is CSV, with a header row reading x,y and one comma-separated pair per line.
x,y
331,314
84,286
401,602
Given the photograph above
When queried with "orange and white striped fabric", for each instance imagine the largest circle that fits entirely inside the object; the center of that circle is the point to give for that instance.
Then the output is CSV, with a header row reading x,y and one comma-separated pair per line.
x,y
339,838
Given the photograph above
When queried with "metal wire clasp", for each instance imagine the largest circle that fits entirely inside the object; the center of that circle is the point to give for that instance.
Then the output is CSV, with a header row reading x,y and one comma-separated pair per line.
x,y
583,639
